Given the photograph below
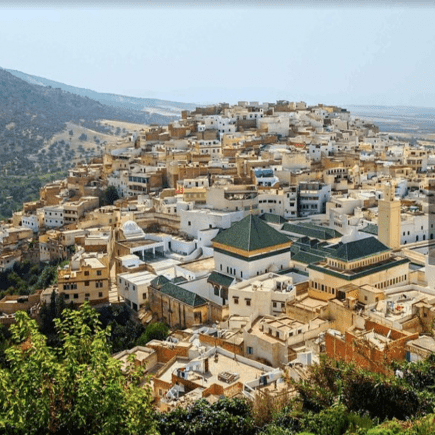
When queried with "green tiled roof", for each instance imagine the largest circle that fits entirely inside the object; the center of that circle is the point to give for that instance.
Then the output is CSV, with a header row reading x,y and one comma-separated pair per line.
x,y
178,279
310,251
272,218
183,295
359,249
220,279
250,234
311,230
159,280
306,257
370,229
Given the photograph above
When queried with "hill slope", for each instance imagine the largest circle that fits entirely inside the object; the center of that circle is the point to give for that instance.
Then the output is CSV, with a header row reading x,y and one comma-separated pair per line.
x,y
31,114
32,117
152,105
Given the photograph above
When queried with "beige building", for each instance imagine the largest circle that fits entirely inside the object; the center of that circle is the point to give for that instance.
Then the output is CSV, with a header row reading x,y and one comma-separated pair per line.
x,y
86,278
75,210
359,262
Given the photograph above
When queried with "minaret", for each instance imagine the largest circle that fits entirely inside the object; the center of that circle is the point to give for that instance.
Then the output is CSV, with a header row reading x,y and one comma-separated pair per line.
x,y
389,219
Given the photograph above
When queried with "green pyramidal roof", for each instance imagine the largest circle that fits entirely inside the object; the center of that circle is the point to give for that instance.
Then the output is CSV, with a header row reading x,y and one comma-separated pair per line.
x,y
359,249
251,234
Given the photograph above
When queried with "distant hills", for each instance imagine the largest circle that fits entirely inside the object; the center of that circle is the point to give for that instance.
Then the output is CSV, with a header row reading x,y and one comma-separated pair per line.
x,y
32,114
151,105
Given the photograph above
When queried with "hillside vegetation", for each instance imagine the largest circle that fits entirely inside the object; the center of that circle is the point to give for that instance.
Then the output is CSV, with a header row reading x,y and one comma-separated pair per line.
x,y
31,116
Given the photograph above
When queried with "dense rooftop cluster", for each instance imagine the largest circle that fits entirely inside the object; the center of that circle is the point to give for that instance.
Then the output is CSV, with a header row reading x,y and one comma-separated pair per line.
x,y
263,235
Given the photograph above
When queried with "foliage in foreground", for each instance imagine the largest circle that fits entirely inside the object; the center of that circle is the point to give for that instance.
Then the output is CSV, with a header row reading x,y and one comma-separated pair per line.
x,y
77,388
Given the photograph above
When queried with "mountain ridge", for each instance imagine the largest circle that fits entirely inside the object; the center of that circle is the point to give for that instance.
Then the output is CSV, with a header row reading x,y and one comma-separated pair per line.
x,y
155,105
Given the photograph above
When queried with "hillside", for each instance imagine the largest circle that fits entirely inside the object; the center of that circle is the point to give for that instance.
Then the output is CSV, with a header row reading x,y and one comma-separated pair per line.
x,y
31,117
150,105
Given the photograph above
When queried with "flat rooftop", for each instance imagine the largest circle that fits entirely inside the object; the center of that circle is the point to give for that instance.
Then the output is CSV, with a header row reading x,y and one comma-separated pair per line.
x,y
199,265
138,278
94,263
224,363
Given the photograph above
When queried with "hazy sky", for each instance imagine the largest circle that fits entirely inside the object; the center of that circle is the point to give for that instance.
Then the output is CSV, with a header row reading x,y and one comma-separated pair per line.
x,y
339,55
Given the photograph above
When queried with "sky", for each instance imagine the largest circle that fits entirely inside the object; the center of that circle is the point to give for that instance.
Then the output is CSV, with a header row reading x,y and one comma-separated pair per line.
x,y
262,51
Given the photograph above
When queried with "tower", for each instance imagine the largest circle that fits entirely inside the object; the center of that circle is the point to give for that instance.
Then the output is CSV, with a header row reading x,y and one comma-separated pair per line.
x,y
389,219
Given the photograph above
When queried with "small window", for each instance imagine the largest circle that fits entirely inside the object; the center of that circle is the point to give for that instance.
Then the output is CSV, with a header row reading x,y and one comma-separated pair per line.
x,y
76,296
99,272
144,295
249,350
236,301
100,294
248,302
86,272
87,283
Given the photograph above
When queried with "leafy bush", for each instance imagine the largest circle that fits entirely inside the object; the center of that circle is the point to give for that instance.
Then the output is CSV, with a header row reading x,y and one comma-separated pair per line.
x,y
226,416
153,331
77,389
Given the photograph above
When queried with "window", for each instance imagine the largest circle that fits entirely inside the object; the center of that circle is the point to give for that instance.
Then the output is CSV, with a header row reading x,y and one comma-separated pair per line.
x,y
86,272
66,296
99,284
236,300
274,305
100,294
99,272
76,296
144,295
216,290
87,283
249,350
74,286
248,302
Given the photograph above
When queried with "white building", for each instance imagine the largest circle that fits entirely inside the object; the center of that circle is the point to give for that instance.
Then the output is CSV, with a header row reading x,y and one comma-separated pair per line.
x,y
133,287
30,221
250,247
262,295
53,216
313,196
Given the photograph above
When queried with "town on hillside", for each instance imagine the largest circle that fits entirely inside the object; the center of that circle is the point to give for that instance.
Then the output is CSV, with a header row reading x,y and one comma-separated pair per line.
x,y
262,234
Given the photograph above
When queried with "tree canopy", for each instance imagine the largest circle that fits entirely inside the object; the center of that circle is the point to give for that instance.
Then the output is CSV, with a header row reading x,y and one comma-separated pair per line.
x,y
77,388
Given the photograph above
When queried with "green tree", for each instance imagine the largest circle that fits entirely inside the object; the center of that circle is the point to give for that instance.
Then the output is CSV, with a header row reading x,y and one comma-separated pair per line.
x,y
110,195
154,331
77,389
